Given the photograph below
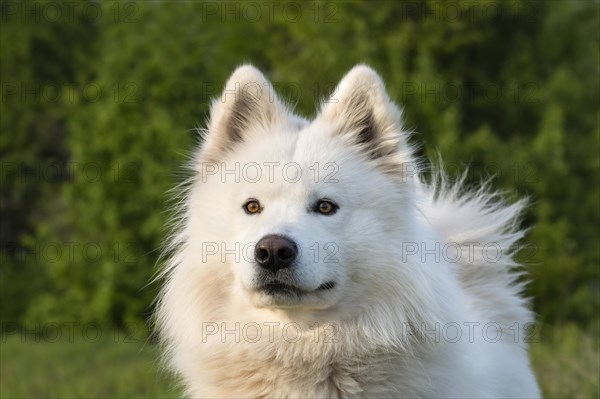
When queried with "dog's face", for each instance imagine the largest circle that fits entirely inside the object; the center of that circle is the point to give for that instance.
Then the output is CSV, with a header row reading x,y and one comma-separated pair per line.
x,y
292,211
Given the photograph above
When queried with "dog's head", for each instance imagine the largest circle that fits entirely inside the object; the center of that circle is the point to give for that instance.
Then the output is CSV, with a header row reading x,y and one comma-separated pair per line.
x,y
301,214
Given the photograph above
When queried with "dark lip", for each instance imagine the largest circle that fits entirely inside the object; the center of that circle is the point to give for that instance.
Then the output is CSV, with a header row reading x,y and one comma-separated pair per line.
x,y
327,286
277,287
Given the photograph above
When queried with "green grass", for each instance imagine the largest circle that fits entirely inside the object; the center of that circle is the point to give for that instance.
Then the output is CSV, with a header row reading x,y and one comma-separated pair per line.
x,y
566,362
109,368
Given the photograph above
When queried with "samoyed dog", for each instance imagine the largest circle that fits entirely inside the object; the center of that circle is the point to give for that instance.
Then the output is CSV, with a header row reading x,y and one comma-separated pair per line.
x,y
311,259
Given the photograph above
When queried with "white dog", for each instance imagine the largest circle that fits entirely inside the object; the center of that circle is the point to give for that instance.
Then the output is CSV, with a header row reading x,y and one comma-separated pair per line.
x,y
311,260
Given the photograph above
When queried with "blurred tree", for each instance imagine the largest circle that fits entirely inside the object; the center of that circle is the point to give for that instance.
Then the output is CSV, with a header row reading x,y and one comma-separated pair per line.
x,y
40,59
508,89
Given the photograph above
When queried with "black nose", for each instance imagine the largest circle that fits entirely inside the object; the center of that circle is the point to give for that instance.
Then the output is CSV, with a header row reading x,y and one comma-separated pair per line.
x,y
274,252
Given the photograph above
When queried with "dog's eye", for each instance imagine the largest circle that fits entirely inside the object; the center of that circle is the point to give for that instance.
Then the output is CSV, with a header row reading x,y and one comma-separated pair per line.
x,y
252,206
326,207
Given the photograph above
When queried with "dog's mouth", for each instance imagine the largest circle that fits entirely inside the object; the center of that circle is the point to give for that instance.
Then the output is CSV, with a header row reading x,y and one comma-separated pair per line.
x,y
327,286
275,288
279,288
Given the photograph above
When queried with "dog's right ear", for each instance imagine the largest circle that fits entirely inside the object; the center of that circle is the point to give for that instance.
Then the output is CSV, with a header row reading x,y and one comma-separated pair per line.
x,y
248,103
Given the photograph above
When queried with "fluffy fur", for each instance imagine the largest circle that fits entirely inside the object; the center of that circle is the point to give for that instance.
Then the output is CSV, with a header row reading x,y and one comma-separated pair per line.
x,y
423,303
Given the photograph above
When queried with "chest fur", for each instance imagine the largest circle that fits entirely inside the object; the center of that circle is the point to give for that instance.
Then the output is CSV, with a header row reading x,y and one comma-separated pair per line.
x,y
244,370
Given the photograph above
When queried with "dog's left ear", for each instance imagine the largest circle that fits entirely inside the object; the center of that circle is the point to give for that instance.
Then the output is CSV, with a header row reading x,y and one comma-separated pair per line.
x,y
363,112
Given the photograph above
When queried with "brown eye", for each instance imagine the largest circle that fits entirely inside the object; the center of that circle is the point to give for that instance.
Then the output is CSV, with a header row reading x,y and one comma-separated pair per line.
x,y
252,206
326,207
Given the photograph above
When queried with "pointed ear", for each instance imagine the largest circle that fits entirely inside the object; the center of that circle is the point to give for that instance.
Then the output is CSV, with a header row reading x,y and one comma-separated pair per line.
x,y
248,102
362,111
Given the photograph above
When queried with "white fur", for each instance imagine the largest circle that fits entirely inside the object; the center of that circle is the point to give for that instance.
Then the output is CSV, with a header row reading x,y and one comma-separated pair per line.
x,y
409,276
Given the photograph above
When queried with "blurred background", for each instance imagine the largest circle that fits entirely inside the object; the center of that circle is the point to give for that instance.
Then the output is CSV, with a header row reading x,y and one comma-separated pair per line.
x,y
100,99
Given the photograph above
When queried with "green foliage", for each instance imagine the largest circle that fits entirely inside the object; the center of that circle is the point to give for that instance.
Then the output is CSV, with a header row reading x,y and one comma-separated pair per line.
x,y
508,89
38,60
